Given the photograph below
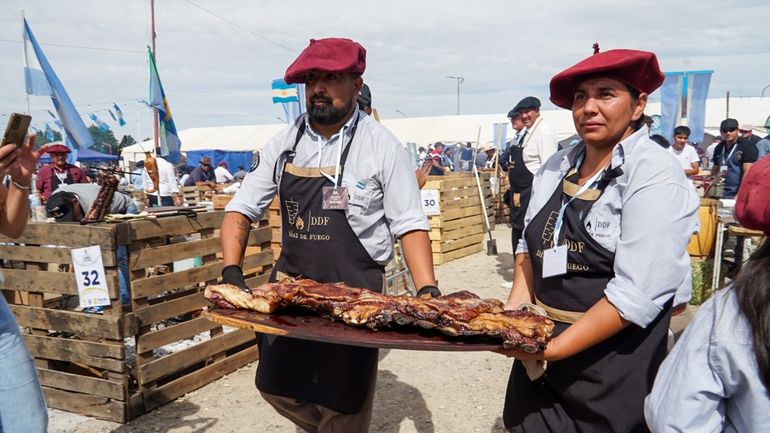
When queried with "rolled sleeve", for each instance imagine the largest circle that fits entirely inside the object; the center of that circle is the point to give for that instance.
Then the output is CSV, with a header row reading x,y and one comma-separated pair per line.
x,y
688,394
401,195
651,259
259,186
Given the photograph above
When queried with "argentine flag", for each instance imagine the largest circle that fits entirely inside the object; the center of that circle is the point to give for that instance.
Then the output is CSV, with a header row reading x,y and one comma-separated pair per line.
x,y
284,93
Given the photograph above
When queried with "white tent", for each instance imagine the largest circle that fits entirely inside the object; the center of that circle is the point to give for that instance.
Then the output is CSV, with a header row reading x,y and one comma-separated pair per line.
x,y
463,128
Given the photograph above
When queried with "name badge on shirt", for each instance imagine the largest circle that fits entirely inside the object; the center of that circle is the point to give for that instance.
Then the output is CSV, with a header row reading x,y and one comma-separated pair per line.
x,y
555,261
334,199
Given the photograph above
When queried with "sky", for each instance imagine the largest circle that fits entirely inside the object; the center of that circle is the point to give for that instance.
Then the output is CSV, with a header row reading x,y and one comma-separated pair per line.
x,y
217,58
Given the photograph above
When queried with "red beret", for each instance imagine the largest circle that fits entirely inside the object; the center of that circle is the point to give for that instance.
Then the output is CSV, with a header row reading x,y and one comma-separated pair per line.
x,y
638,69
57,148
330,55
752,205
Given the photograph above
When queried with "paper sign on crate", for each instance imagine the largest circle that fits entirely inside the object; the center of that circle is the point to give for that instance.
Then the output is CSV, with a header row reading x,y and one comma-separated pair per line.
x,y
430,202
90,275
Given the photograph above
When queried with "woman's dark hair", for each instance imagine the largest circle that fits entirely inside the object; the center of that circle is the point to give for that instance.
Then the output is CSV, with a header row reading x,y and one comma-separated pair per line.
x,y
660,140
752,288
638,123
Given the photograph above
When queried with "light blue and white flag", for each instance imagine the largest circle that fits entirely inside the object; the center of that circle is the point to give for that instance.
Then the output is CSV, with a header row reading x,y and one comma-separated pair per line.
x,y
288,96
98,122
499,131
119,114
38,71
170,145
48,132
671,103
697,92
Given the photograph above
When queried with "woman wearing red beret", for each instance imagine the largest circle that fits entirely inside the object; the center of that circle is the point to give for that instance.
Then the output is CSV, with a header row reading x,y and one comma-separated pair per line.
x,y
603,253
717,377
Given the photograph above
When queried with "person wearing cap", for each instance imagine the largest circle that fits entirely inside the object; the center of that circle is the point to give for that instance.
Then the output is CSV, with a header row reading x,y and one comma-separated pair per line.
x,y
521,164
364,100
168,188
747,133
732,157
603,253
684,153
221,173
346,188
203,173
717,377
59,172
22,406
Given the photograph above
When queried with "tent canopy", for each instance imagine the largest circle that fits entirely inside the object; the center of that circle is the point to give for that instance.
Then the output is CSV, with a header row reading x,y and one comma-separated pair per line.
x,y
232,158
463,128
85,155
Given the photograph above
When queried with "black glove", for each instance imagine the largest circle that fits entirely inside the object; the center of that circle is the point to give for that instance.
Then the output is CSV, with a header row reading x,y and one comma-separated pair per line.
x,y
233,274
432,291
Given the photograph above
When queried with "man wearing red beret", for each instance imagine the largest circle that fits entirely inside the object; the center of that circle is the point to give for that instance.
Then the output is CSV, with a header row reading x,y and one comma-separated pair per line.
x,y
59,172
346,188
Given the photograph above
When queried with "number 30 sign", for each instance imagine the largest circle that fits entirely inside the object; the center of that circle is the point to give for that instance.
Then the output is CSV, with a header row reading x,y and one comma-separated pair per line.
x,y
89,273
430,202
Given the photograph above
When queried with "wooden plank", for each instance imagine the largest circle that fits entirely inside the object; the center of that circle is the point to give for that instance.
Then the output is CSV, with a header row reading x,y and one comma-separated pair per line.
x,y
258,280
437,222
80,383
178,361
461,233
97,355
441,258
144,287
174,389
455,244
63,283
95,325
170,308
153,255
153,340
60,255
168,226
71,235
460,202
454,214
84,404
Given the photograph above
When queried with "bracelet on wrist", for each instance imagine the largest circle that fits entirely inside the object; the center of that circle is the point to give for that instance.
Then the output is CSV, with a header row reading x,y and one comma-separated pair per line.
x,y
20,186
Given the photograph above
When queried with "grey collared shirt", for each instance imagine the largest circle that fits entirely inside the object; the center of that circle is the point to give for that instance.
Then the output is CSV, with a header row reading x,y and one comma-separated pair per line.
x,y
384,198
645,216
710,381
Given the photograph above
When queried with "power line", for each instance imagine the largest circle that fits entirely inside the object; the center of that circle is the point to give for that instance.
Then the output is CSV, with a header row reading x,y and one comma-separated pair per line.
x,y
81,47
263,37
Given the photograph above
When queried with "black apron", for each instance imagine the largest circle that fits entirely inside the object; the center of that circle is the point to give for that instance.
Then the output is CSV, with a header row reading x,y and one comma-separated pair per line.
x,y
601,389
520,182
318,244
55,181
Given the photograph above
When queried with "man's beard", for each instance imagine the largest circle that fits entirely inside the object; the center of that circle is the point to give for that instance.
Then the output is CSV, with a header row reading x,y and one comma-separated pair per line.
x,y
326,114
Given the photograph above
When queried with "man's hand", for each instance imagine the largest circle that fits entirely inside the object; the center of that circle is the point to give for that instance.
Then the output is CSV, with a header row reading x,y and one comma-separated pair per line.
x,y
429,291
234,275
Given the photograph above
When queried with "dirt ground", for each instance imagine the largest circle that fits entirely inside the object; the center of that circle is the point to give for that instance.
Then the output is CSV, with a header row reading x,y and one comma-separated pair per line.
x,y
422,392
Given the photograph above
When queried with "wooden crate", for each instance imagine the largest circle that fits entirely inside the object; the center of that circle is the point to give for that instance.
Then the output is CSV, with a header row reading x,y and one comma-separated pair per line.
x,y
118,365
274,219
221,200
459,229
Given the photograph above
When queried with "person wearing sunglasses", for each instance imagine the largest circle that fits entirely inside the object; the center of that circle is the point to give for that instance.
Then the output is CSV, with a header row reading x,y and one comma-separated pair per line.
x,y
732,157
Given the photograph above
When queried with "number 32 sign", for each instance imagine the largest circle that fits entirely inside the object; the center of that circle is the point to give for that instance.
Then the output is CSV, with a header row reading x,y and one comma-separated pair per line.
x,y
89,273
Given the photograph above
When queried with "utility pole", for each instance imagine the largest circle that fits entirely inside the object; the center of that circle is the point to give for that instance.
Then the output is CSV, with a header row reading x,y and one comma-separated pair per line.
x,y
459,81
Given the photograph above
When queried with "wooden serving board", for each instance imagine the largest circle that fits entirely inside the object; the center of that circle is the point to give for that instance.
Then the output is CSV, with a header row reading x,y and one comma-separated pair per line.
x,y
319,329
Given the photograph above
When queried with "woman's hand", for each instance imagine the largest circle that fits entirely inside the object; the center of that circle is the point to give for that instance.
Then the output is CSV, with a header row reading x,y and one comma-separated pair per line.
x,y
551,353
8,155
26,160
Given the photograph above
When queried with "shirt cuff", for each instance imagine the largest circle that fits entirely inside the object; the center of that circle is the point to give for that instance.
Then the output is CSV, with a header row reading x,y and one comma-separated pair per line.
x,y
522,247
632,304
409,222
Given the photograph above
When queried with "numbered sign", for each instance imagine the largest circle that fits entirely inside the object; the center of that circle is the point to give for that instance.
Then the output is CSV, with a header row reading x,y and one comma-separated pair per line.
x,y
89,273
430,202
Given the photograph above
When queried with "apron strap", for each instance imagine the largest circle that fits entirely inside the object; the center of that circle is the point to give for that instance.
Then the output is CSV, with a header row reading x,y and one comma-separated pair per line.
x,y
291,153
563,316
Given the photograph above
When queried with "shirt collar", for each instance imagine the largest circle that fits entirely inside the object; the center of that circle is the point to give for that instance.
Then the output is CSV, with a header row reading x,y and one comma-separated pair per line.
x,y
347,127
618,152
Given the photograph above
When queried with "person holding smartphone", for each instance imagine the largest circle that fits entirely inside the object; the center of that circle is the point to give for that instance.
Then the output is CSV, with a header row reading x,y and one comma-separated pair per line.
x,y
22,407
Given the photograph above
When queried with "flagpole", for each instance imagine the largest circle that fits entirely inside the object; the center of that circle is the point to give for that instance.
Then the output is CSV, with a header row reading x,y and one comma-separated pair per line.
x,y
24,47
155,125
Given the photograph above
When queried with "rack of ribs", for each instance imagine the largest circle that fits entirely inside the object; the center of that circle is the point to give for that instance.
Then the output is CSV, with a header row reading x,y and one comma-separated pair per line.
x,y
458,314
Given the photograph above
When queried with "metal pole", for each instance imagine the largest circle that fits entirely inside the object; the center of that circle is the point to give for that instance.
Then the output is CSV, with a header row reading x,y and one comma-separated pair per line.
x,y
459,80
24,47
155,125
727,105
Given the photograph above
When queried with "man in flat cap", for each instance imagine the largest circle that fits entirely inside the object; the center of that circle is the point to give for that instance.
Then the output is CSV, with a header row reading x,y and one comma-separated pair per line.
x,y
59,172
524,157
732,157
346,187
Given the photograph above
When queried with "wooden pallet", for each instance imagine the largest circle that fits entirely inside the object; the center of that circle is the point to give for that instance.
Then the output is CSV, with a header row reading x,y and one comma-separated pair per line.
x,y
82,359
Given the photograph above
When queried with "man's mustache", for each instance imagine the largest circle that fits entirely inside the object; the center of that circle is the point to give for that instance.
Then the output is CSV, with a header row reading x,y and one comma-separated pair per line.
x,y
315,99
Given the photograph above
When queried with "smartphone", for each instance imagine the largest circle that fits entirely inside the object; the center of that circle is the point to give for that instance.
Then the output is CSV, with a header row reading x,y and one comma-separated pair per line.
x,y
16,131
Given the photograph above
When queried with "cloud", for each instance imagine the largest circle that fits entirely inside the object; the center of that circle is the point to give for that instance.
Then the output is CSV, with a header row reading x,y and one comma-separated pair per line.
x,y
217,73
